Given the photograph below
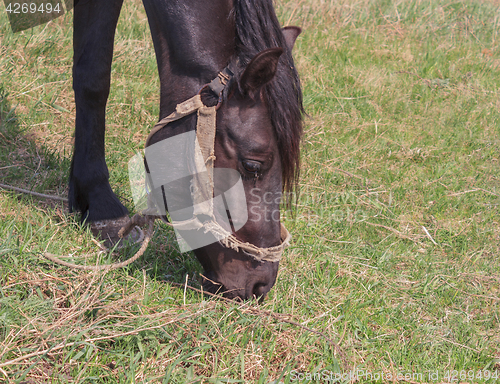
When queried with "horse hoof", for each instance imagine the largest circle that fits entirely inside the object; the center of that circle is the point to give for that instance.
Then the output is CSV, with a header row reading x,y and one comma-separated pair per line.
x,y
107,231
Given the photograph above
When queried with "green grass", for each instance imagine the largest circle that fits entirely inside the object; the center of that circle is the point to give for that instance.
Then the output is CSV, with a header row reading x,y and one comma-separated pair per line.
x,y
396,237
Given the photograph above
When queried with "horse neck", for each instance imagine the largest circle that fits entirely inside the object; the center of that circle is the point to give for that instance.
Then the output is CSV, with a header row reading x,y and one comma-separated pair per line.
x,y
194,40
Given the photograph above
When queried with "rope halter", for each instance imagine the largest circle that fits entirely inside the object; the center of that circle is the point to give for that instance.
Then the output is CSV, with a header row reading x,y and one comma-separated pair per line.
x,y
202,171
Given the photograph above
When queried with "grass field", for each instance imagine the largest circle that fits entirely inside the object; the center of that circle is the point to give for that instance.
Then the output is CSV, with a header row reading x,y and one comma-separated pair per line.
x,y
394,270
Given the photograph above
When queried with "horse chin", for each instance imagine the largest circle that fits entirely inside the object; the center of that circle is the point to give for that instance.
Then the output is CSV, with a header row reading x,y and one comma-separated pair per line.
x,y
238,275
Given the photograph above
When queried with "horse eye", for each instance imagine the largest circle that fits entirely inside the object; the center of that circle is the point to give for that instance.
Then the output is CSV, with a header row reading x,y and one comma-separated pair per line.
x,y
251,166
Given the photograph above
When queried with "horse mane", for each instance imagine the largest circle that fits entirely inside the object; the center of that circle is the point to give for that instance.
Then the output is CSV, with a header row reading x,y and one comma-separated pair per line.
x,y
258,29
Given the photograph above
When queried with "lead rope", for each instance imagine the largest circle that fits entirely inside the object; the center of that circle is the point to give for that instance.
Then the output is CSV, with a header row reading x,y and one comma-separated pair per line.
x,y
136,220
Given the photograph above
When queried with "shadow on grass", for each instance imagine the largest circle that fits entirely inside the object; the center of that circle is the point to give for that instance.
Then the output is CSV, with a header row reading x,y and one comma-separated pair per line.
x,y
23,162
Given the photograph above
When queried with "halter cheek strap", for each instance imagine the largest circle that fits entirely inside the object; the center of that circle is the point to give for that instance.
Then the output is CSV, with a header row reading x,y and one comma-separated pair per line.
x,y
204,163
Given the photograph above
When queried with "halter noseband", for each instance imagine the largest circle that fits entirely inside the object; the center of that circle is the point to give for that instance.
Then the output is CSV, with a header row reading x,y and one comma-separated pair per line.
x,y
203,162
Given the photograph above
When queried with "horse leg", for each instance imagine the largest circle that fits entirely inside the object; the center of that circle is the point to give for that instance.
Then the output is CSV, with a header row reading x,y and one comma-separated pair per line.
x,y
94,30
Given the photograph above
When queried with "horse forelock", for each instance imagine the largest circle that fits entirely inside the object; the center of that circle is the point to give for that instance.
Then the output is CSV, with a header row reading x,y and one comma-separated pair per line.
x,y
258,29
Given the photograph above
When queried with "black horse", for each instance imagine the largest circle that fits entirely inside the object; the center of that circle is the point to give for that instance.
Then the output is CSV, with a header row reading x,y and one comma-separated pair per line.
x,y
259,124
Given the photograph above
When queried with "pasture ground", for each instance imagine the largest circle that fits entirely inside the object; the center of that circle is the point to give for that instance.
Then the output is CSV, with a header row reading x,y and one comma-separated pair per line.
x,y
394,271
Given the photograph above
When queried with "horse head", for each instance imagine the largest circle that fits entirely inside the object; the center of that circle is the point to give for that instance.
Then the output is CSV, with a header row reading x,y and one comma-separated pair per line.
x,y
229,215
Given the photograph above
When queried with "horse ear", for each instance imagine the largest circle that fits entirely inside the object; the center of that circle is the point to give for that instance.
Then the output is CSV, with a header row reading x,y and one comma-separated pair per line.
x,y
291,33
260,71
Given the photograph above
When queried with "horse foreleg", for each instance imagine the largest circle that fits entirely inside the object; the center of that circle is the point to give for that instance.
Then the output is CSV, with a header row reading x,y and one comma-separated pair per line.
x,y
94,29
